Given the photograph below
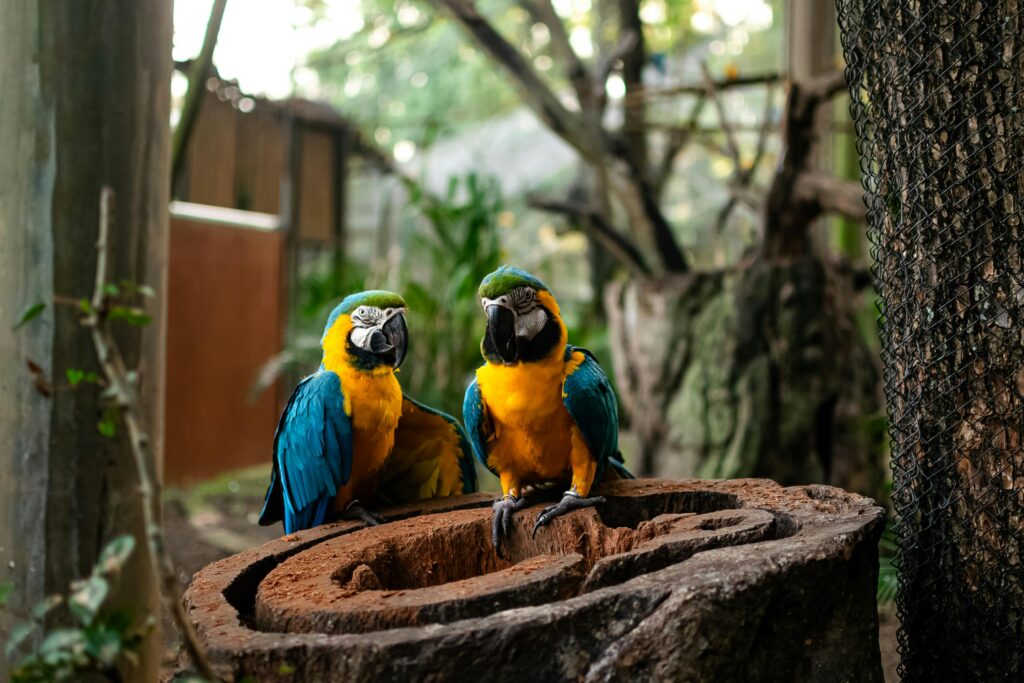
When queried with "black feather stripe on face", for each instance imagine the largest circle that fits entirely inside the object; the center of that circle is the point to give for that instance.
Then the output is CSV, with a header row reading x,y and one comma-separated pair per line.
x,y
530,350
543,342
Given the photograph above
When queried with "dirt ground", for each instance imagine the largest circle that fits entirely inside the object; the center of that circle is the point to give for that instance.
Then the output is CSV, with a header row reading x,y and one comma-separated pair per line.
x,y
215,519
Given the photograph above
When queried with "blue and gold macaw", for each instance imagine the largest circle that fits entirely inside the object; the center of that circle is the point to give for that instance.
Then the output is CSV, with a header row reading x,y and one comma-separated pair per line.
x,y
349,434
539,410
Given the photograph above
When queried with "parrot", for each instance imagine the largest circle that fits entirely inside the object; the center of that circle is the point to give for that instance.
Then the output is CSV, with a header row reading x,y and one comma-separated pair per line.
x,y
348,433
539,410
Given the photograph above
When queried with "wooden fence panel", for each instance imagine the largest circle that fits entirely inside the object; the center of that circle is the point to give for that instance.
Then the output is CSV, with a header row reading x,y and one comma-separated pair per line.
x,y
225,320
211,162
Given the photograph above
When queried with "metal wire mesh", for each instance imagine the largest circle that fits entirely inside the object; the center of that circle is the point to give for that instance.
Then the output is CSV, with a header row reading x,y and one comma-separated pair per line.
x,y
938,104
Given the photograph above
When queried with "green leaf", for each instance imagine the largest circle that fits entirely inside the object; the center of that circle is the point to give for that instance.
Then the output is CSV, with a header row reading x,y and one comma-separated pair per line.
x,y
285,669
115,554
104,645
85,306
29,313
107,426
132,316
64,646
75,376
45,606
86,599
111,289
6,588
18,636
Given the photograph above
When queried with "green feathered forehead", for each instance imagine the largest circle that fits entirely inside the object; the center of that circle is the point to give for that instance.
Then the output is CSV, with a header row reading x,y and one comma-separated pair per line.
x,y
378,298
505,279
375,297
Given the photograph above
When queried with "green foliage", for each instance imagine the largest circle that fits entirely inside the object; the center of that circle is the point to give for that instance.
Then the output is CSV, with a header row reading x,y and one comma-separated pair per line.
x,y
131,315
29,313
6,588
459,247
91,639
107,426
888,575
76,376
408,75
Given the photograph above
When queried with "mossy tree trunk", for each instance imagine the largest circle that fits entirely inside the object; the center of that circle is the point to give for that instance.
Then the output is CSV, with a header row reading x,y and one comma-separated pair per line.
x,y
757,371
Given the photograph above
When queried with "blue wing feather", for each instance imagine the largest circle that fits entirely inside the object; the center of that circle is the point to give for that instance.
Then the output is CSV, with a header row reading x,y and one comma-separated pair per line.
x,y
478,429
590,400
312,454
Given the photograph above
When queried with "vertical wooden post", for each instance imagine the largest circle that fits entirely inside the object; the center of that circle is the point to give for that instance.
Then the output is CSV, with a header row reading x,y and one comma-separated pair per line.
x,y
86,103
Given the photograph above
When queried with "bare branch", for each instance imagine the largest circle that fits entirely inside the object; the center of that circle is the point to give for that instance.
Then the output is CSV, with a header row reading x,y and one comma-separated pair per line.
x,y
627,41
824,87
629,180
123,388
593,223
534,92
543,12
832,195
719,85
201,69
762,135
730,134
678,139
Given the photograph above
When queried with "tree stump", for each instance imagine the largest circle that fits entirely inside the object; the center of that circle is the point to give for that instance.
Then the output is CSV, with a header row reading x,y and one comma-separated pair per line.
x,y
691,580
755,371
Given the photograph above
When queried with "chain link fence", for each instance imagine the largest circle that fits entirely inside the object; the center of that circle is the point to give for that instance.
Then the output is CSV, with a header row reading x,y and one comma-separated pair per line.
x,y
938,104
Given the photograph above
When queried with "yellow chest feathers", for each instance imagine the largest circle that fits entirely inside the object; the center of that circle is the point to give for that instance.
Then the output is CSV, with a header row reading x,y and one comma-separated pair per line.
x,y
524,395
372,399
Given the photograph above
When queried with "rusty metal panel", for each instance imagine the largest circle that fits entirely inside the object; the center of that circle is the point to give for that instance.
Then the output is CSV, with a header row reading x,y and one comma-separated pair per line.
x,y
225,320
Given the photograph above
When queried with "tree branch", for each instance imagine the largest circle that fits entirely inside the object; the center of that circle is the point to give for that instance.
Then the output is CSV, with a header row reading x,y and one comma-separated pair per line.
x,y
594,224
534,92
823,88
198,74
678,138
832,195
730,135
123,388
627,41
543,12
595,146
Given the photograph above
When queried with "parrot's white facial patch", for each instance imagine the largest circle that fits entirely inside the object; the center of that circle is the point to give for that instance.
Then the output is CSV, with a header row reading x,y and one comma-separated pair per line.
x,y
529,324
368,319
529,314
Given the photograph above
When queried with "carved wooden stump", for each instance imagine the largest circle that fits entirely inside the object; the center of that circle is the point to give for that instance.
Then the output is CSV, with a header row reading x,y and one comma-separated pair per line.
x,y
691,580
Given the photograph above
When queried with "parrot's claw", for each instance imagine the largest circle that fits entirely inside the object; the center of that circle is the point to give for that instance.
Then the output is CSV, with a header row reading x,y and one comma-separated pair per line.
x,y
501,523
357,511
570,501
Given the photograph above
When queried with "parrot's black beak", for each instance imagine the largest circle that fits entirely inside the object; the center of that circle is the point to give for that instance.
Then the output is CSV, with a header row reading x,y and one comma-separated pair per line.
x,y
501,328
397,335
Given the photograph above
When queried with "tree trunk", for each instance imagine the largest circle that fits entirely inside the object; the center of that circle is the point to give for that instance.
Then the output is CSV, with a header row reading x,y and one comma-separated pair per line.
x,y
86,103
757,371
941,129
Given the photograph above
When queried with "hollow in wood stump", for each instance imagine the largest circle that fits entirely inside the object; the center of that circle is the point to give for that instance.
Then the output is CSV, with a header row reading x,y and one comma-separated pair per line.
x,y
692,580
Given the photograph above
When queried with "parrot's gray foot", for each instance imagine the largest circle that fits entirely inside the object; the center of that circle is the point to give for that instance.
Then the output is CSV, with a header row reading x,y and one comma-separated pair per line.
x,y
501,524
357,511
570,501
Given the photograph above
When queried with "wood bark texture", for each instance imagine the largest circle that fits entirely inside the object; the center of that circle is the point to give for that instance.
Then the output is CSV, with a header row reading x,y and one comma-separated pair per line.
x,y
86,103
937,92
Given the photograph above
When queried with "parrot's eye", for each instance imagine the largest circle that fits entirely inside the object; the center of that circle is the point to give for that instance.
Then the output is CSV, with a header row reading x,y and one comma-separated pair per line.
x,y
523,299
